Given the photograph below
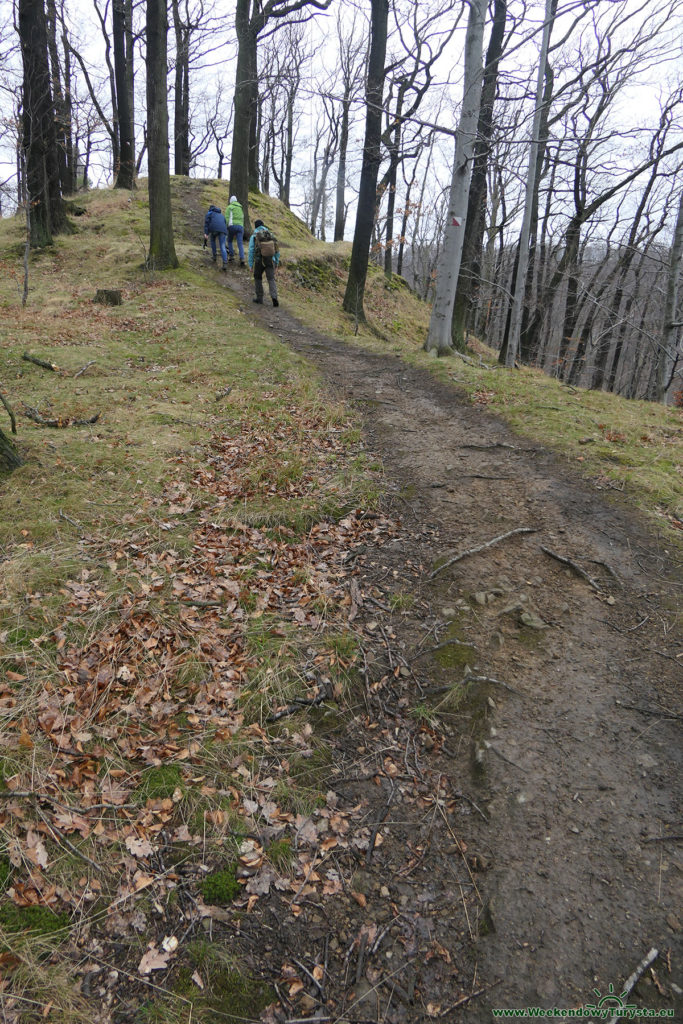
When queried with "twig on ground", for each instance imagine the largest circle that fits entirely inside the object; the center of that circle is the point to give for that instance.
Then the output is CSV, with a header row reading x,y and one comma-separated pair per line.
x,y
481,547
676,838
496,444
496,682
297,704
40,362
84,368
378,604
63,515
445,643
633,979
663,713
461,1002
224,393
572,565
60,838
468,799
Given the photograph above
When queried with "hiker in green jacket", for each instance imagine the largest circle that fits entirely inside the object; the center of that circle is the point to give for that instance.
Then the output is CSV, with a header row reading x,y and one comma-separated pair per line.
x,y
234,215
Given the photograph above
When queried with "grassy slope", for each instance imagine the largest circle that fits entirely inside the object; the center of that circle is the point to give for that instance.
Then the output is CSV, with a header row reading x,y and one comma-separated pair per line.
x,y
110,516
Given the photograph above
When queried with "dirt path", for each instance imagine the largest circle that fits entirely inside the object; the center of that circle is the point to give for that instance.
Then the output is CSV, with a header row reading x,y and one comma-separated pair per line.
x,y
577,765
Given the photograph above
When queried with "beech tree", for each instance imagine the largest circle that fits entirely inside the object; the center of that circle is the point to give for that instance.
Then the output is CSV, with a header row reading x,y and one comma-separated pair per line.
x,y
439,336
670,351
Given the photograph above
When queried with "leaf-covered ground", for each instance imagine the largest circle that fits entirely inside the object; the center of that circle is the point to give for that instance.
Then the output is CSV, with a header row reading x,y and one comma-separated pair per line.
x,y
261,760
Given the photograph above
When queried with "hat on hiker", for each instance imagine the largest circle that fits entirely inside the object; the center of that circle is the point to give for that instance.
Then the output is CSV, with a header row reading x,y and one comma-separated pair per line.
x,y
259,224
233,199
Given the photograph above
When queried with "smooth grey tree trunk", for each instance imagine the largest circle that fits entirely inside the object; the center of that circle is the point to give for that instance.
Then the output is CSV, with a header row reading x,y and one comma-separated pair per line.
x,y
668,352
523,260
439,336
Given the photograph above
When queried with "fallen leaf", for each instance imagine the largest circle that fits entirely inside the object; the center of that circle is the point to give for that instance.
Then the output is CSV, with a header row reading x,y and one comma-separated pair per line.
x,y
153,960
139,847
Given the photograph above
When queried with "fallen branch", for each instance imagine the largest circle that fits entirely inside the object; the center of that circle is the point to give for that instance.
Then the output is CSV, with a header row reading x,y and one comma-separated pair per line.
x,y
481,547
224,393
59,423
461,1002
445,643
297,705
84,368
572,565
490,679
632,981
40,362
664,713
676,838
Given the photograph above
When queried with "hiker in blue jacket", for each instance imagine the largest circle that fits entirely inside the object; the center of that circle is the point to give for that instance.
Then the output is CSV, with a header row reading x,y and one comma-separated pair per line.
x,y
264,256
216,228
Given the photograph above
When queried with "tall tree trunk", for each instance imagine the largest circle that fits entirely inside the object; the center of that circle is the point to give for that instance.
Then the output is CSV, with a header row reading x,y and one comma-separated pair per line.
x,y
162,252
246,55
59,89
340,207
439,337
181,106
669,352
39,142
125,173
525,234
367,196
466,294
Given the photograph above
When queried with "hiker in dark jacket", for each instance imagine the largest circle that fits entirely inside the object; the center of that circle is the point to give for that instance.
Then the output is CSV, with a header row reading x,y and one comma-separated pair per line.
x,y
216,228
264,256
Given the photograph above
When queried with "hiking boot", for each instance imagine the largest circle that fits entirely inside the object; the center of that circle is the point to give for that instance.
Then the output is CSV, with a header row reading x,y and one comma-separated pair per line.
x,y
230,259
213,259
275,302
242,263
259,301
224,268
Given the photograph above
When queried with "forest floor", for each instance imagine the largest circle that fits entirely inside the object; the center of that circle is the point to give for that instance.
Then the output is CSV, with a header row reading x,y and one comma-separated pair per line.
x,y
530,833
325,696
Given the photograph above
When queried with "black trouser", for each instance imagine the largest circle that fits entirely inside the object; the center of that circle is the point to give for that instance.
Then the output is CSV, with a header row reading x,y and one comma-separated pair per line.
x,y
259,270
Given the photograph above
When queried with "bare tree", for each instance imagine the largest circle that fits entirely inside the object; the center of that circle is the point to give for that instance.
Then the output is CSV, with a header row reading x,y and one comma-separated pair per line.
x,y
47,212
251,19
162,252
670,350
439,336
367,195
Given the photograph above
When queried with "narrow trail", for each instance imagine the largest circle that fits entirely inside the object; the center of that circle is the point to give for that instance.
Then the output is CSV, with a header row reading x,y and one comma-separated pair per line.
x,y
569,743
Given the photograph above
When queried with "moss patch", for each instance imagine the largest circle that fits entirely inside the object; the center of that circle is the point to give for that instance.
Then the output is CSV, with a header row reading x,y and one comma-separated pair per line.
x,y
39,920
221,887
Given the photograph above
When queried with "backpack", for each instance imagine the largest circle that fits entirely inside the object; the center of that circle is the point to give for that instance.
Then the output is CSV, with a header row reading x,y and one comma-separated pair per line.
x,y
266,247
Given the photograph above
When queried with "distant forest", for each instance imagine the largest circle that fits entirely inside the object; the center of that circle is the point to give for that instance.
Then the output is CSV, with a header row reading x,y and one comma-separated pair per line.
x,y
517,161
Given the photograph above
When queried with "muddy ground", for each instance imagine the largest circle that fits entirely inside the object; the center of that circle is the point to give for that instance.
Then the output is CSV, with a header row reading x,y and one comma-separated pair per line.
x,y
530,835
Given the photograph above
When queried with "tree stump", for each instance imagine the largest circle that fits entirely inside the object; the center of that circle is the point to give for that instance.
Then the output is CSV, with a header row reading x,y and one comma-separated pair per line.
x,y
108,296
